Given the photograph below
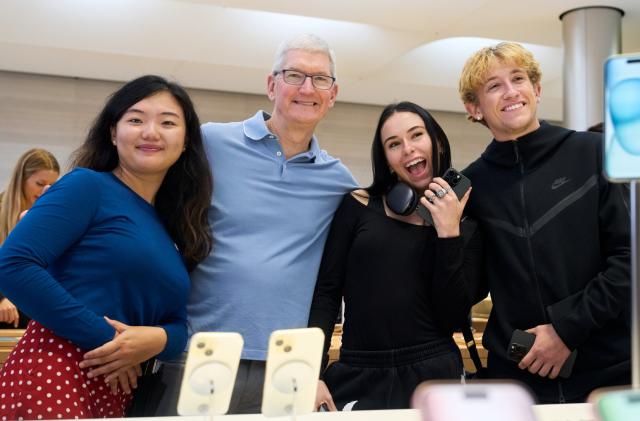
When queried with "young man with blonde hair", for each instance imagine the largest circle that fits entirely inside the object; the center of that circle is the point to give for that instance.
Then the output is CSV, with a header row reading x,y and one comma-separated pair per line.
x,y
556,235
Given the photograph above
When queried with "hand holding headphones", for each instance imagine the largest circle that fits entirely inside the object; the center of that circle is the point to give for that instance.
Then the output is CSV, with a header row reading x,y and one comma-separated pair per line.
x,y
439,206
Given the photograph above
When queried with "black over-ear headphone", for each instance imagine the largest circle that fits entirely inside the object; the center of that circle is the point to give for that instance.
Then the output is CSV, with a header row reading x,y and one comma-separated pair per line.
x,y
402,199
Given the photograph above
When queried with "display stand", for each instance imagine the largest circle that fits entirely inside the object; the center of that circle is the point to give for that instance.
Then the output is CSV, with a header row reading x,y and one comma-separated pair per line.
x,y
210,379
289,379
635,288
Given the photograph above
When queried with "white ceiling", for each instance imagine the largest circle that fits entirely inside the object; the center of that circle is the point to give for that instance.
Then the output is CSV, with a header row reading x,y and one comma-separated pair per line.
x,y
386,50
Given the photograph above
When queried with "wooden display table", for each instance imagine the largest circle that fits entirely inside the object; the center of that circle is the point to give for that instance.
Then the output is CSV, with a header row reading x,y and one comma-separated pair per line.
x,y
8,339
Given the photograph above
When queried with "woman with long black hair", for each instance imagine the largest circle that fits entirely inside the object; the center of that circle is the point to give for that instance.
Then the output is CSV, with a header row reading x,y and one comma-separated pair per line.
x,y
100,262
405,282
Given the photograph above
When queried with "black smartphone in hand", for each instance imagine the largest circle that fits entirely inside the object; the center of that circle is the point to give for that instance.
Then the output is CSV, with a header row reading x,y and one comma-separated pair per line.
x,y
520,344
567,367
458,183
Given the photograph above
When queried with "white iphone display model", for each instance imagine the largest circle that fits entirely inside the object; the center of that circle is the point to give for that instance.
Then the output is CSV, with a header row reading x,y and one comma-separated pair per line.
x,y
210,372
292,371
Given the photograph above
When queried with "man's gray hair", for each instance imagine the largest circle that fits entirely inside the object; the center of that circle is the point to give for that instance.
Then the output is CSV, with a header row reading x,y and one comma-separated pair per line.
x,y
306,42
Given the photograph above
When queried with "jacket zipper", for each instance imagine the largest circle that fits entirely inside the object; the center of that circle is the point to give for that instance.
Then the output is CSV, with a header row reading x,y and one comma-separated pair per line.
x,y
527,230
561,398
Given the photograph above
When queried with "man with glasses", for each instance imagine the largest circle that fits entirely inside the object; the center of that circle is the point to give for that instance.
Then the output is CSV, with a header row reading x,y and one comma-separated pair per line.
x,y
275,192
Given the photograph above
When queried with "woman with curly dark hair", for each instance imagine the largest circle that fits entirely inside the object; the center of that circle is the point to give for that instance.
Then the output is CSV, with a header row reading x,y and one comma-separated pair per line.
x,y
101,261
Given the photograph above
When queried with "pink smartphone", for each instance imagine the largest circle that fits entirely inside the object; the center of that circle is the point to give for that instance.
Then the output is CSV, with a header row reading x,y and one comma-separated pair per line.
x,y
478,401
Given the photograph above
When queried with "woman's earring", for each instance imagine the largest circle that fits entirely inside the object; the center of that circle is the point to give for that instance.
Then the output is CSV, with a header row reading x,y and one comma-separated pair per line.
x,y
479,117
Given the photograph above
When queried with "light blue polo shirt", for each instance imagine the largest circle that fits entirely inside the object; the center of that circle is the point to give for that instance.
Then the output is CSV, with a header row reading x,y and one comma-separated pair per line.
x,y
270,218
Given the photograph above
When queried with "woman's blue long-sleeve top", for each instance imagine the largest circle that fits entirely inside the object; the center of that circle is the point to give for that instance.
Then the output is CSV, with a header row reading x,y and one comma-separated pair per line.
x,y
91,247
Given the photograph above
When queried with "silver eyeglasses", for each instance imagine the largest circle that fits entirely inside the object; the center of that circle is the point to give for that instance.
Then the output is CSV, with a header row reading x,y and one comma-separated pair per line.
x,y
294,77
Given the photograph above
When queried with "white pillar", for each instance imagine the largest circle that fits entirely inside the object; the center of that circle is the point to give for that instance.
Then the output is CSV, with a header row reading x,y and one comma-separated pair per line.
x,y
589,36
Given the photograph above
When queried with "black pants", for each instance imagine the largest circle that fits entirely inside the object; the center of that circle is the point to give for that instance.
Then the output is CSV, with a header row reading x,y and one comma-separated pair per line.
x,y
387,379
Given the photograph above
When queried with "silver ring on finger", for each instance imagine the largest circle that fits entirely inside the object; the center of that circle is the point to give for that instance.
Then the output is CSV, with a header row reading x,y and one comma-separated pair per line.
x,y
431,198
440,193
448,190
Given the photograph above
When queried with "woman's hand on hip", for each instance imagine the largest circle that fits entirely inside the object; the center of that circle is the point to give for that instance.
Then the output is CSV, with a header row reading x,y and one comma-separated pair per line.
x,y
131,346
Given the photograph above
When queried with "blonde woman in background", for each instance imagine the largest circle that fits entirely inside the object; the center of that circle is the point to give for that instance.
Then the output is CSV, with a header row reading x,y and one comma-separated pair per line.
x,y
35,171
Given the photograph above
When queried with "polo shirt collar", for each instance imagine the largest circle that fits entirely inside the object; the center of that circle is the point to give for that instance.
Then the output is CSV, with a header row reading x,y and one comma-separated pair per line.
x,y
255,128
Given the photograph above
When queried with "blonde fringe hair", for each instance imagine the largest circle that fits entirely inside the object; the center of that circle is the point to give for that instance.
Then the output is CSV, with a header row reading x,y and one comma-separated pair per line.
x,y
12,200
476,68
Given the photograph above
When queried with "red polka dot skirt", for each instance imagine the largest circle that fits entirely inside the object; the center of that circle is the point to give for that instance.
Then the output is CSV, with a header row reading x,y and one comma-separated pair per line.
x,y
41,380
